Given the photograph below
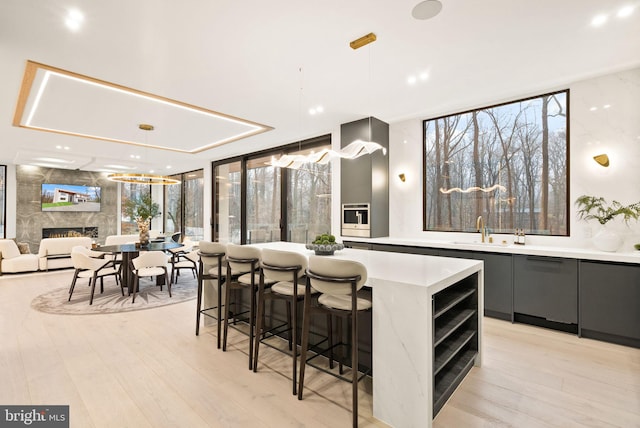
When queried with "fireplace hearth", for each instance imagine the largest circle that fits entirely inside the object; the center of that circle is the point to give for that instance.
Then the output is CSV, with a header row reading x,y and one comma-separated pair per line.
x,y
69,232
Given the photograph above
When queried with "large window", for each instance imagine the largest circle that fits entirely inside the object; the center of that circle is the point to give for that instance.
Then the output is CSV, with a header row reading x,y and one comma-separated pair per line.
x,y
507,163
184,206
132,194
3,201
255,202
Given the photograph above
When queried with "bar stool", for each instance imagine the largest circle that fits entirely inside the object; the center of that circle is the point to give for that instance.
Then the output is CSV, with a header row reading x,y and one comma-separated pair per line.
x,y
242,273
211,255
338,282
285,269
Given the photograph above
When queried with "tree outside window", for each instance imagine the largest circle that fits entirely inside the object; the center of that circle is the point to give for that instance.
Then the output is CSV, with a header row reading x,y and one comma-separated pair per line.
x,y
507,163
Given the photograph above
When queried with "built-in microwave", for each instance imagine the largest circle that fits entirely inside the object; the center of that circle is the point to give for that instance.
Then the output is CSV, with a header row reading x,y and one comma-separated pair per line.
x,y
355,220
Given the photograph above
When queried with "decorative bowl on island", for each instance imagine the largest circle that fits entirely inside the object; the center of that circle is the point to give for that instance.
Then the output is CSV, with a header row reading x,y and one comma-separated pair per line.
x,y
324,245
636,246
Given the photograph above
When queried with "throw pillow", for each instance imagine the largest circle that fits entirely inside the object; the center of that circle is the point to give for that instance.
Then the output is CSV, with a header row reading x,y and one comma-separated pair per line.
x,y
24,248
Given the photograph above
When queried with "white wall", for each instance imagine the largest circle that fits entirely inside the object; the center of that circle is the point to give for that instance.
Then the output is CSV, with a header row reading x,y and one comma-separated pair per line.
x,y
614,130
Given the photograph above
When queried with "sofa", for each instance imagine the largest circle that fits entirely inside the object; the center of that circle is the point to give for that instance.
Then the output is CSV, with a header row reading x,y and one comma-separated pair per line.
x,y
55,253
121,239
12,260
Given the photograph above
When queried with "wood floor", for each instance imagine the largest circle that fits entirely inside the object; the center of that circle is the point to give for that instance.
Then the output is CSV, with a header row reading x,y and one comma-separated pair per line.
x,y
148,369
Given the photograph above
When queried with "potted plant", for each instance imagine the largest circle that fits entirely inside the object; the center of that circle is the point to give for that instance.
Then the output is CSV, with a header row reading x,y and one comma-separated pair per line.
x,y
325,245
142,209
597,208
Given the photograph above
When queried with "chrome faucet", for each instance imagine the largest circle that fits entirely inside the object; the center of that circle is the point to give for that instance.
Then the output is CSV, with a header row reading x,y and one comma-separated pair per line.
x,y
480,226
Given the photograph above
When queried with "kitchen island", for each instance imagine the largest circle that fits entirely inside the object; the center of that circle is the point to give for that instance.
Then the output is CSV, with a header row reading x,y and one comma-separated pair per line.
x,y
427,329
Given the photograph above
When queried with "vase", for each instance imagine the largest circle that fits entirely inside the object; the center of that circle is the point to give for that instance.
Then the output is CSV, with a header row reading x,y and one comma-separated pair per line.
x,y
143,227
607,239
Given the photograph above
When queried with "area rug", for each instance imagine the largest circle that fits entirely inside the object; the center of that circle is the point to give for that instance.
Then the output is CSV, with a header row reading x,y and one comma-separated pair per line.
x,y
112,301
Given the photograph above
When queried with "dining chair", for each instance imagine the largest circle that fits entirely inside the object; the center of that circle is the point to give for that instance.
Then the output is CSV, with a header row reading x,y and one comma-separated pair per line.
x,y
286,271
338,282
242,274
210,264
93,268
184,260
150,264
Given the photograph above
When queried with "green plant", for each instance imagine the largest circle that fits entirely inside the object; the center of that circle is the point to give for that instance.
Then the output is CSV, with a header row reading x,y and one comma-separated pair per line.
x,y
141,207
597,208
324,239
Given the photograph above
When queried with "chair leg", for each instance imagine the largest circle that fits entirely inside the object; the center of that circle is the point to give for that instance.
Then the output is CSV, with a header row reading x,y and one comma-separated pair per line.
x,y
93,288
119,282
166,275
136,284
101,284
306,316
73,283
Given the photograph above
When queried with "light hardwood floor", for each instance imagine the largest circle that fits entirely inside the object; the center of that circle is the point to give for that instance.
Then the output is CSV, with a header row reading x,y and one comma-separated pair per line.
x,y
148,369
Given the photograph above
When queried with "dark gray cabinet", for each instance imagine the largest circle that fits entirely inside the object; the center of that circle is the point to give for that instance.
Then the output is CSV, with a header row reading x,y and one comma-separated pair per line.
x,y
546,288
498,285
610,302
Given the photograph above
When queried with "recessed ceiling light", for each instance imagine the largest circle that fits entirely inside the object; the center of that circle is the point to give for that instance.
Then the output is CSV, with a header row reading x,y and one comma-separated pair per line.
x,y
424,75
593,109
606,106
426,9
412,80
168,166
74,20
599,20
625,11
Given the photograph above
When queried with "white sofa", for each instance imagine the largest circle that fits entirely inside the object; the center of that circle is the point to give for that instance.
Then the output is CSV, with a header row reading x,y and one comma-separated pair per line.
x,y
121,239
12,261
55,253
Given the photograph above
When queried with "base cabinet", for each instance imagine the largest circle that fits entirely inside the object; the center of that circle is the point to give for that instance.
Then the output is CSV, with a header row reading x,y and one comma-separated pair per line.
x,y
610,302
498,285
546,288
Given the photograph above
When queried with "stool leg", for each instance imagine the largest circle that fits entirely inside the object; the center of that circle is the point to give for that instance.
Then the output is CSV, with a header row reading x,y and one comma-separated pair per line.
x,y
259,324
306,316
330,339
289,322
293,325
252,321
199,304
226,316
354,361
219,304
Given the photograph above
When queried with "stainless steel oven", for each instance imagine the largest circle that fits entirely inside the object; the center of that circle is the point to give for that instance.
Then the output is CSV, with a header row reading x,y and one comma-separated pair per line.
x,y
355,220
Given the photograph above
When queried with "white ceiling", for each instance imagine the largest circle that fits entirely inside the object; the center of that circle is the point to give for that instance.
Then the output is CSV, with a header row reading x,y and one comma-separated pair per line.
x,y
270,61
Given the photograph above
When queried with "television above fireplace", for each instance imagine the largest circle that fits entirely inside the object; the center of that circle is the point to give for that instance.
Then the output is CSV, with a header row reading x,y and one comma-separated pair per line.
x,y
70,198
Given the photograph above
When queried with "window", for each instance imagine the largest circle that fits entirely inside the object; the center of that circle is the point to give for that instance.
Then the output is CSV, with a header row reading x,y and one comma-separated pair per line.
x,y
131,194
507,163
3,201
184,205
255,202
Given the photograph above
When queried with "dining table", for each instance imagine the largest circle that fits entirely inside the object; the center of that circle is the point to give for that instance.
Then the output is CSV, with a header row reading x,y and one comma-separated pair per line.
x,y
131,251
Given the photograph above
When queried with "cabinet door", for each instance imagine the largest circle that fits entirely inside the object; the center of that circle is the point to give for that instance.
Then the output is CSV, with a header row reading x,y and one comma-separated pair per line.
x,y
498,285
546,287
610,298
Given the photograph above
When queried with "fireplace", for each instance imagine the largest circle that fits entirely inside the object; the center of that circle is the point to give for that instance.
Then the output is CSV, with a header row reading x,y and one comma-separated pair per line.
x,y
69,232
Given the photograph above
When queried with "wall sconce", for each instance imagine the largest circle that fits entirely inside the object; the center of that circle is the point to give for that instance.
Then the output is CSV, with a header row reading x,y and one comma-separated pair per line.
x,y
602,159
402,177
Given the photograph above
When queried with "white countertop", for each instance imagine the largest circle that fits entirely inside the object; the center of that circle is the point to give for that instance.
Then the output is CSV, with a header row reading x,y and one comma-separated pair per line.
x,y
408,269
538,250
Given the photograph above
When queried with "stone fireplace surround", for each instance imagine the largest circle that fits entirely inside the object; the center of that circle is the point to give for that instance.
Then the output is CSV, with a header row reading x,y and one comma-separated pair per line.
x,y
31,220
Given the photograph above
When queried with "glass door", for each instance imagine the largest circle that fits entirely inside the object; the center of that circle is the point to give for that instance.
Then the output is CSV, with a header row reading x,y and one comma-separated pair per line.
x,y
263,201
228,202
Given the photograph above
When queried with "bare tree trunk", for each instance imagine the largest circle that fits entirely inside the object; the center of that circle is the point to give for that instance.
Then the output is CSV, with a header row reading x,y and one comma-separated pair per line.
x,y
477,165
544,179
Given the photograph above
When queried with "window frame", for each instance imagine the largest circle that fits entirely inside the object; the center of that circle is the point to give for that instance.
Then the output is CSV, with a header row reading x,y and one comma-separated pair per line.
x,y
426,180
324,140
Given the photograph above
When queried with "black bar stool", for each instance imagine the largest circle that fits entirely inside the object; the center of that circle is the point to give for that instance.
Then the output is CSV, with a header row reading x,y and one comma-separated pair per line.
x,y
338,281
285,269
210,268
